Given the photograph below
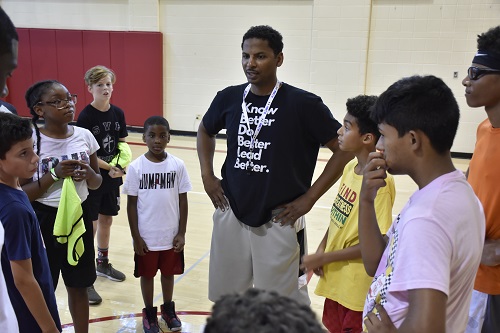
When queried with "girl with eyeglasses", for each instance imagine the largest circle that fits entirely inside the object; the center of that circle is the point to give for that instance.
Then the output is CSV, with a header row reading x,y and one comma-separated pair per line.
x,y
65,151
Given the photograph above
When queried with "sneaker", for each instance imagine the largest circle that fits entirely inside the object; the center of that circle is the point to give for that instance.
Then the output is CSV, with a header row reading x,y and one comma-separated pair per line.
x,y
170,317
94,297
150,320
105,269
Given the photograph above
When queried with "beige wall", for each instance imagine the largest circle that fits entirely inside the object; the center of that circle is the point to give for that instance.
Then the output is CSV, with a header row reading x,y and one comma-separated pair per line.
x,y
334,48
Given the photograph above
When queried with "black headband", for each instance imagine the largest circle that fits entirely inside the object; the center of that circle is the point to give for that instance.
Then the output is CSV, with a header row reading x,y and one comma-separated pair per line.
x,y
486,59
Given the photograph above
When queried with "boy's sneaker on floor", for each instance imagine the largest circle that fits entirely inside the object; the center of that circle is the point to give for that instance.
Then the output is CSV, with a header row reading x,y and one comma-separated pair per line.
x,y
170,317
94,297
150,320
105,269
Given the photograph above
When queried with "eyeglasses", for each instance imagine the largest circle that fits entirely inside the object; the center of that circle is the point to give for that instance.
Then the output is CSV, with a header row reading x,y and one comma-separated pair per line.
x,y
475,72
61,103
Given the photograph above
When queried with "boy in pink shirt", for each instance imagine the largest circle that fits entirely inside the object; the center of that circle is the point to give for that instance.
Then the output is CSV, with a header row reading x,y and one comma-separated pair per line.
x,y
424,267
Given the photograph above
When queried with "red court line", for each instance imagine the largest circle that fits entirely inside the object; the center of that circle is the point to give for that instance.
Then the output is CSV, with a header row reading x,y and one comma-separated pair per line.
x,y
133,315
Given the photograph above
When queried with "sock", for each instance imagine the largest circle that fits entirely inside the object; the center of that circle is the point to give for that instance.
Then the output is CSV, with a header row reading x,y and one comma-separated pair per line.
x,y
102,254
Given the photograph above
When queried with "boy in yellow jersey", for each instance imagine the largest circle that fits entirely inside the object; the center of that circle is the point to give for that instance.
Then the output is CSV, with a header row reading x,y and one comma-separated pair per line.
x,y
343,279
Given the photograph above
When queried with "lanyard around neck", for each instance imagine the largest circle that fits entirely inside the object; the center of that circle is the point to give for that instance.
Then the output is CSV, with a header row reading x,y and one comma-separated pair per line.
x,y
264,114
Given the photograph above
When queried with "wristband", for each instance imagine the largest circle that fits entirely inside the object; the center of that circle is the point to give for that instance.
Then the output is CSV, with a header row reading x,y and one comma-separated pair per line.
x,y
54,175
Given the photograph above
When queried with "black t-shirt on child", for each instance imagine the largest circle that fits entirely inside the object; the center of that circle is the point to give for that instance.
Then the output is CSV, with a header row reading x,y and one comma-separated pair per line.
x,y
107,127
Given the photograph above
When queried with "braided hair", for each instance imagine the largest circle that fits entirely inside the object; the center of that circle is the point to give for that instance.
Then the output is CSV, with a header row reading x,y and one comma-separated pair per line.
x,y
33,96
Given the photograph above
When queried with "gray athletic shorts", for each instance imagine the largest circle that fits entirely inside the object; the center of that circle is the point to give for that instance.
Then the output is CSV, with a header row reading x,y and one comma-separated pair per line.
x,y
265,257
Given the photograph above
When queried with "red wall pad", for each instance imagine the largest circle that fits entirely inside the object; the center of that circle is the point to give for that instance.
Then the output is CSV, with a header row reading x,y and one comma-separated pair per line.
x,y
23,76
137,59
65,55
96,51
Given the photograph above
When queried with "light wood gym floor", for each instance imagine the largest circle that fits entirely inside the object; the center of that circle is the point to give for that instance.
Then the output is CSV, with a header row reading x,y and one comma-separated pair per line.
x,y
122,301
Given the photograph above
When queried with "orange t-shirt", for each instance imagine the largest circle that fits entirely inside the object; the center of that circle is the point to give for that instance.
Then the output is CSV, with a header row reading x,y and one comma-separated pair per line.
x,y
484,177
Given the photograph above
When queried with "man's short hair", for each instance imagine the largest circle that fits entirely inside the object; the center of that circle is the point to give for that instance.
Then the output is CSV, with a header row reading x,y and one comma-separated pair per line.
x,y
7,33
489,41
360,108
13,129
423,103
261,311
265,32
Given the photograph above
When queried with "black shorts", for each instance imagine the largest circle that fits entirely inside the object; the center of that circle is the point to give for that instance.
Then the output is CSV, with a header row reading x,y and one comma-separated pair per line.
x,y
83,274
491,322
104,202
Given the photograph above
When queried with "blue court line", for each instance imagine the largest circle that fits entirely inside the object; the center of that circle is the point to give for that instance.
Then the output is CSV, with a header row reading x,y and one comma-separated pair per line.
x,y
160,295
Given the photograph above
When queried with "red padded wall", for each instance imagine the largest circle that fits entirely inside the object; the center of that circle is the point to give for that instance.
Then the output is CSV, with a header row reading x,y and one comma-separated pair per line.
x,y
133,56
65,55
96,51
69,50
119,65
22,77
43,54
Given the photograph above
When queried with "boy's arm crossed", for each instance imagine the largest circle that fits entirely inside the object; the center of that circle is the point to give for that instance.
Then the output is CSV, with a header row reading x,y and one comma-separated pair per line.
x,y
140,247
22,272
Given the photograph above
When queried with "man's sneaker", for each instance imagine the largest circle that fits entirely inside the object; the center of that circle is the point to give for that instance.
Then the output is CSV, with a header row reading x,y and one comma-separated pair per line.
x,y
170,317
104,268
150,320
94,297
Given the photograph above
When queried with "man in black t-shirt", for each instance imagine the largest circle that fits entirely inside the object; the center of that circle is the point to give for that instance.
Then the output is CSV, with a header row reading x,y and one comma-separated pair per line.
x,y
274,132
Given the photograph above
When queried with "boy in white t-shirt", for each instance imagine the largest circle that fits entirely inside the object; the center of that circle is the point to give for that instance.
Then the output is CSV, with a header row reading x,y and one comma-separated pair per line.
x,y
424,267
157,184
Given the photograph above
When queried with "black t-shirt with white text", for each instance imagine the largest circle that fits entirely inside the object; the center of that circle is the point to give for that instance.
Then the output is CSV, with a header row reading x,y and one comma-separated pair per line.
x,y
107,127
285,150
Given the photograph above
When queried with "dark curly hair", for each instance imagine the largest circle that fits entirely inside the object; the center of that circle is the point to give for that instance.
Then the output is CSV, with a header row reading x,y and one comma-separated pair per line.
x,y
156,120
261,311
423,103
13,129
490,41
265,32
359,107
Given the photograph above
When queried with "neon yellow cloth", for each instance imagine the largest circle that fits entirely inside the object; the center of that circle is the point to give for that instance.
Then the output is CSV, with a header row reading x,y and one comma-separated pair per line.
x,y
124,156
69,226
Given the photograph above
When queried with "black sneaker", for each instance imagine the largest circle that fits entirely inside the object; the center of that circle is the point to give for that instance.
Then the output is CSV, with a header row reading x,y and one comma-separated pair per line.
x,y
94,297
170,317
105,269
150,320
